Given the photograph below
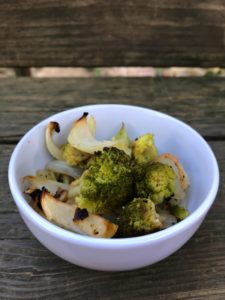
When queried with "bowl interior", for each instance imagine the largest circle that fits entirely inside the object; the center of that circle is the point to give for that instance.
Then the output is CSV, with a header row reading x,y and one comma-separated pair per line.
x,y
171,135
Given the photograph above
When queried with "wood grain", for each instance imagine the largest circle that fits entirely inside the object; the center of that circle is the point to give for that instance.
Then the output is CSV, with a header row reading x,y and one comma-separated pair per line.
x,y
198,101
108,33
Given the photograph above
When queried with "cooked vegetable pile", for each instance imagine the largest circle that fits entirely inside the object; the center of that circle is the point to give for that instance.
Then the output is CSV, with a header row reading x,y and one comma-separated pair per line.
x,y
110,188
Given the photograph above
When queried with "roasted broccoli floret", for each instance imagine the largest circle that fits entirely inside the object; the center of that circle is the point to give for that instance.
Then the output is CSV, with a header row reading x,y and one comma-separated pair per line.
x,y
144,149
158,183
73,156
138,217
106,184
179,212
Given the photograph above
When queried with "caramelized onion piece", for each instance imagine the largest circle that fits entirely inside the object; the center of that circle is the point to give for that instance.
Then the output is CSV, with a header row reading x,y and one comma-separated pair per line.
x,y
53,149
64,214
81,137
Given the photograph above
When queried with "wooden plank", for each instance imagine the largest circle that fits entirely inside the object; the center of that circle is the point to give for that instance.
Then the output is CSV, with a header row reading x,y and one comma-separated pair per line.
x,y
6,202
12,227
106,33
198,101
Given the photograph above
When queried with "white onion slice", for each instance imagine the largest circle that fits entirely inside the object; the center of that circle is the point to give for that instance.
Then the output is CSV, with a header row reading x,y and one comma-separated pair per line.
x,y
166,218
59,166
63,214
81,137
52,186
53,149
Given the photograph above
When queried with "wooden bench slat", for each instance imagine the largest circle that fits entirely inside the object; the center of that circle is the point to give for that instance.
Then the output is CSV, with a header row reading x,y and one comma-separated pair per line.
x,y
198,101
6,202
99,33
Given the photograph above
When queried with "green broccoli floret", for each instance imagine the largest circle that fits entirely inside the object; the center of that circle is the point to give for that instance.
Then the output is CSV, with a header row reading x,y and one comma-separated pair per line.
x,y
138,217
158,183
144,149
179,212
107,183
73,156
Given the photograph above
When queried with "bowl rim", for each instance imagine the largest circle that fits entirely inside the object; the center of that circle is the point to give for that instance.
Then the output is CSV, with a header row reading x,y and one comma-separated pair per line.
x,y
118,243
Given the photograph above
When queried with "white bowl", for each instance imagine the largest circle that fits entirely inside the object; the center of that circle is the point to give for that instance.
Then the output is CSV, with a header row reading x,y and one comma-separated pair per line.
x,y
171,135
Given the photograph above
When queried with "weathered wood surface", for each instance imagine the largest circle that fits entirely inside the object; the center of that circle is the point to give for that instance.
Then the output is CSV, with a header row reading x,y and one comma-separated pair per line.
x,y
30,101
108,33
29,271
